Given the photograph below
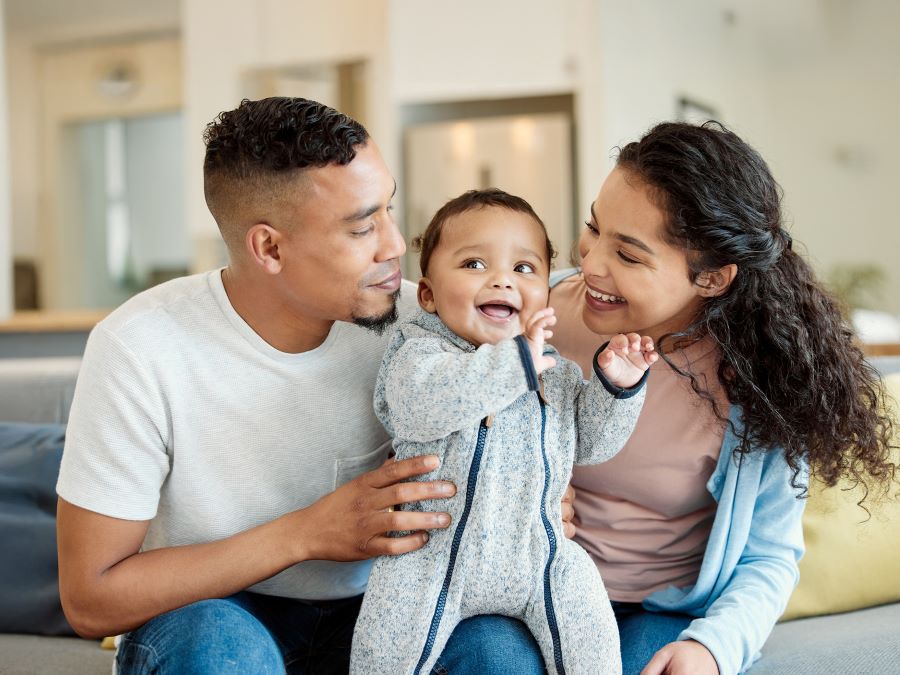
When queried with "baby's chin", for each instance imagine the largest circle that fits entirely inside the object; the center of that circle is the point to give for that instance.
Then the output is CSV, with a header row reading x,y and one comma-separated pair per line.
x,y
491,335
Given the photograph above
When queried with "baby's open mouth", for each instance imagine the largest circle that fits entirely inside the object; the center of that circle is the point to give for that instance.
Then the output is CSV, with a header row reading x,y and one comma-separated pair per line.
x,y
498,311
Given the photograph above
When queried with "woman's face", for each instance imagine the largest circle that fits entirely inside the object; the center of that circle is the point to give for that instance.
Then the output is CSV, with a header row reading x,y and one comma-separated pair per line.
x,y
636,281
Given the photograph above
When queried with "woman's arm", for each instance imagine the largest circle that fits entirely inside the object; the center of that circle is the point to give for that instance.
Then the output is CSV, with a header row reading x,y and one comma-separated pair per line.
x,y
741,618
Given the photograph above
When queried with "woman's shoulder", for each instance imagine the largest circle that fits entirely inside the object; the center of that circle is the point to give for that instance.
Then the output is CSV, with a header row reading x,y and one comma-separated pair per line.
x,y
568,274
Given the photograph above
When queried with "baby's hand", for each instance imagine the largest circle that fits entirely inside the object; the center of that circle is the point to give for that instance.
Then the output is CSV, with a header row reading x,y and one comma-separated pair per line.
x,y
536,333
625,359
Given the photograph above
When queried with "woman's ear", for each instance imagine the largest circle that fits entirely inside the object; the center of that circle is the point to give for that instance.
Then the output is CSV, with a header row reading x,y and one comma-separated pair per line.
x,y
714,283
425,295
262,244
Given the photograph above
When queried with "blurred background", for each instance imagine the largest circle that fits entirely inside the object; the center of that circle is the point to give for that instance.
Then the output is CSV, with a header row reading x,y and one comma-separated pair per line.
x,y
106,100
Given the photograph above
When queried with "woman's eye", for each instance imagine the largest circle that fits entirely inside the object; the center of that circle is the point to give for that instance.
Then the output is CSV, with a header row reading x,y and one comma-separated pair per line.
x,y
628,259
474,265
589,225
524,268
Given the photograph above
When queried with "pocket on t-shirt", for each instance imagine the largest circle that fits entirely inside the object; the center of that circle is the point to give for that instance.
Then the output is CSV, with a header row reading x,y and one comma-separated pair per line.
x,y
348,468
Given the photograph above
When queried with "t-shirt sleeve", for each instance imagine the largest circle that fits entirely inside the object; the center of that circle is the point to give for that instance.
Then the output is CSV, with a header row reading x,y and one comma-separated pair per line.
x,y
115,459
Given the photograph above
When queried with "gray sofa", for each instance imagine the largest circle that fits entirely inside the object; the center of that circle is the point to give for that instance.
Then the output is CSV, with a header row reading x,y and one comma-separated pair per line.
x,y
40,390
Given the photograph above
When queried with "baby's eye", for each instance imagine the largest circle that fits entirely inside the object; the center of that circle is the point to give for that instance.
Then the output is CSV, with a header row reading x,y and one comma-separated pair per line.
x,y
474,265
524,268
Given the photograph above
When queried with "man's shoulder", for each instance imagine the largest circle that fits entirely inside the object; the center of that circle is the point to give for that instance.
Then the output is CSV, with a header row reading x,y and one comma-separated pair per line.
x,y
158,309
407,302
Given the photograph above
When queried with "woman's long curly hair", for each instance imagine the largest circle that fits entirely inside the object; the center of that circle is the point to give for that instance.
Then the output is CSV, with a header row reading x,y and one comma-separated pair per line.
x,y
789,359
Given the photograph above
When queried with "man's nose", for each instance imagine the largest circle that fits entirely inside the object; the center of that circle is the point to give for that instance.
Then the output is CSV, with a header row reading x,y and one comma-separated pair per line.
x,y
392,244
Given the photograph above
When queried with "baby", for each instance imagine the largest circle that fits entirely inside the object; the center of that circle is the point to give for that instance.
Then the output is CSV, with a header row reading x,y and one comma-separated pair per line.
x,y
469,379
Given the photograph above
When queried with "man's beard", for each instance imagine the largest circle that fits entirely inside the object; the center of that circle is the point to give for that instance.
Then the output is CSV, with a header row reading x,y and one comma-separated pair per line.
x,y
379,323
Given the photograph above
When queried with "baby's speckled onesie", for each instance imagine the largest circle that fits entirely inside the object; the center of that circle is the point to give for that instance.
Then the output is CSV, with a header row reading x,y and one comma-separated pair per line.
x,y
508,441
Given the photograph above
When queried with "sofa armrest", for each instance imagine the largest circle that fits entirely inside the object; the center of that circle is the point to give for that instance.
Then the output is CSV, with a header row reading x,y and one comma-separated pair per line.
x,y
37,390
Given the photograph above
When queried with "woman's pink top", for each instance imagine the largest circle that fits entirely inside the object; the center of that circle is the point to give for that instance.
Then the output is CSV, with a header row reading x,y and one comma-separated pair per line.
x,y
645,515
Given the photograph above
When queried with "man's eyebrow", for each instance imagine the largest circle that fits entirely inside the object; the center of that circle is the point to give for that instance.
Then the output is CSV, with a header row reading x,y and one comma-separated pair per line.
x,y
624,237
364,213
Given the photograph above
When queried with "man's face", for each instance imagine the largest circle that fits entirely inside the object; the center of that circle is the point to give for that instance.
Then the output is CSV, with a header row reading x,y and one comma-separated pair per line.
x,y
341,251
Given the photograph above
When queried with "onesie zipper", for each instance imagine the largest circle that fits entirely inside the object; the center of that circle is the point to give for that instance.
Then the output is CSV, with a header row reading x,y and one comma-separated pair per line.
x,y
454,547
551,537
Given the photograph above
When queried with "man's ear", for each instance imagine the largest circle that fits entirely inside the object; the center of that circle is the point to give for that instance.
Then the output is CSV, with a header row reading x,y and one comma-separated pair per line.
x,y
425,296
714,283
262,243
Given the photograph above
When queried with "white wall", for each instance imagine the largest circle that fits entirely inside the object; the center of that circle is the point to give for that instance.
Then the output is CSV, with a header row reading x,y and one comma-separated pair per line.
x,y
814,86
6,299
471,49
24,120
835,136
33,26
656,51
225,40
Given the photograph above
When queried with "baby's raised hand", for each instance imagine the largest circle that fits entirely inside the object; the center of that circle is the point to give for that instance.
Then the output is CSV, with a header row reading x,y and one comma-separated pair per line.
x,y
626,358
536,333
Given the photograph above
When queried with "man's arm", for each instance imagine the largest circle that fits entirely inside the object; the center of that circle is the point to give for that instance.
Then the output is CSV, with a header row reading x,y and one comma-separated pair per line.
x,y
107,587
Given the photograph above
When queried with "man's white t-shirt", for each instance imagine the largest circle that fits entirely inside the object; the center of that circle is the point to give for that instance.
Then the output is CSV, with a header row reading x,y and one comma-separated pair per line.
x,y
184,416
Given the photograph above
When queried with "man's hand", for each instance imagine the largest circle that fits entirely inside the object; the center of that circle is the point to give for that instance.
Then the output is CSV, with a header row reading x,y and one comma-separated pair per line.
x,y
683,657
568,512
536,332
352,523
625,359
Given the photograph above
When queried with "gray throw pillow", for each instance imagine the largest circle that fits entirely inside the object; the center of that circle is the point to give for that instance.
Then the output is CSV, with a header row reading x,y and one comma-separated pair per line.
x,y
29,584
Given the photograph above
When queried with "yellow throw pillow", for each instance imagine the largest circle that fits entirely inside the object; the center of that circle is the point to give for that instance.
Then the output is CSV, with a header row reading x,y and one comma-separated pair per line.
x,y
850,562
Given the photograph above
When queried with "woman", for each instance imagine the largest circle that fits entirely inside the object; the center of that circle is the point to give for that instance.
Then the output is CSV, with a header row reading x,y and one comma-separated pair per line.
x,y
696,524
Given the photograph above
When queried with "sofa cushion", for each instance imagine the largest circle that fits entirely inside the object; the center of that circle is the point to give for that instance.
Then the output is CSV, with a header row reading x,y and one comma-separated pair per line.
x,y
29,588
33,655
839,644
852,558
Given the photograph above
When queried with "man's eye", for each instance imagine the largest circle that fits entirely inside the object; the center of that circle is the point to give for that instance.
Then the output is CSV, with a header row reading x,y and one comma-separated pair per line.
x,y
524,268
474,265
363,233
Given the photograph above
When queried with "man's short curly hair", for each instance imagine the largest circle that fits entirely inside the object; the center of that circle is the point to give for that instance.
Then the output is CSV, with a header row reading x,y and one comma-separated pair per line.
x,y
253,150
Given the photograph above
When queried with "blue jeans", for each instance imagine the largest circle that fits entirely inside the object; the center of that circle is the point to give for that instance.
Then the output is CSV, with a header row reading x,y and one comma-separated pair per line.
x,y
643,633
252,633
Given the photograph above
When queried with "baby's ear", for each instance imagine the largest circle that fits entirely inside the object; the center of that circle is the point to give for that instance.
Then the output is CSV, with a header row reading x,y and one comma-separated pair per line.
x,y
425,295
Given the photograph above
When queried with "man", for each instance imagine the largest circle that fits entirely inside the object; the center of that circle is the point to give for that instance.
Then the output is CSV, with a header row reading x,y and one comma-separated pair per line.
x,y
222,436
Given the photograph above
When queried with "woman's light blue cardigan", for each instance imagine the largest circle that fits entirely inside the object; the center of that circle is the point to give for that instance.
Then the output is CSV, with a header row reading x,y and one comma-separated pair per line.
x,y
750,565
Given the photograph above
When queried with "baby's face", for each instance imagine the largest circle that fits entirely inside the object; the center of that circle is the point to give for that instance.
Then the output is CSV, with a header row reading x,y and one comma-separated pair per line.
x,y
488,274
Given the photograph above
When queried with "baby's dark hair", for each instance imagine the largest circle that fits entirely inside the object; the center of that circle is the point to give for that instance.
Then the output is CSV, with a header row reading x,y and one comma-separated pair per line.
x,y
789,359
426,242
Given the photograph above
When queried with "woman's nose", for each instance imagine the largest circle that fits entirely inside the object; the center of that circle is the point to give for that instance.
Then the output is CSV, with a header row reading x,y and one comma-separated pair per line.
x,y
594,264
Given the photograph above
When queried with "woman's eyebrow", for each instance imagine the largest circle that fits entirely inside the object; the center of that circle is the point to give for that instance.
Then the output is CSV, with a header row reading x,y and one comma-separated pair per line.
x,y
624,237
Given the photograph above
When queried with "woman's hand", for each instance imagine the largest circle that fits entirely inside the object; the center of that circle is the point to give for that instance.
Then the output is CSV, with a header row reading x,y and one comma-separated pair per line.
x,y
683,657
568,512
625,359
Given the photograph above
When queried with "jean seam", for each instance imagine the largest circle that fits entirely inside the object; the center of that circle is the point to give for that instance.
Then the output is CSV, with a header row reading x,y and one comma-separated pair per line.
x,y
439,669
129,643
